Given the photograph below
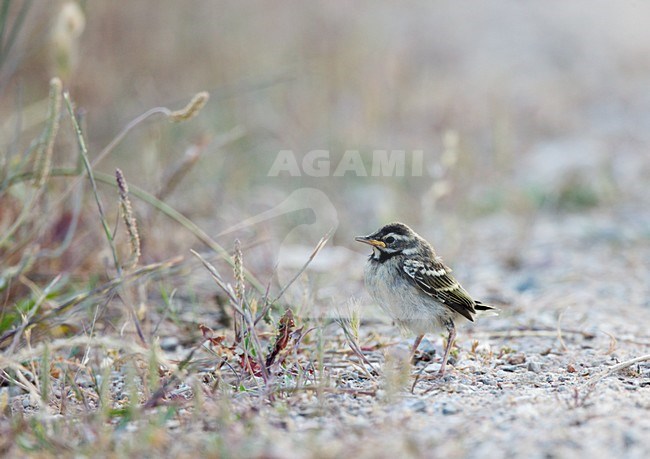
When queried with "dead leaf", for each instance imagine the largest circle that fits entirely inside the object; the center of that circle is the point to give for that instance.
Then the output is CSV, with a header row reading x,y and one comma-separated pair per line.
x,y
285,328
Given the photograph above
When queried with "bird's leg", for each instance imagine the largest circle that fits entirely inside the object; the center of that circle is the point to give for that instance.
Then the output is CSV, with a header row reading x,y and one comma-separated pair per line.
x,y
416,343
451,328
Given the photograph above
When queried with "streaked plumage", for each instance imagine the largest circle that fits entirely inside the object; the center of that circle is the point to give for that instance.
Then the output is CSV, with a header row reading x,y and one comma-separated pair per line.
x,y
412,284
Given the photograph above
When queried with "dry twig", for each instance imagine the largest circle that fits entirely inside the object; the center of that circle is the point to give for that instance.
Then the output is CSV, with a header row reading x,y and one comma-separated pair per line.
x,y
610,371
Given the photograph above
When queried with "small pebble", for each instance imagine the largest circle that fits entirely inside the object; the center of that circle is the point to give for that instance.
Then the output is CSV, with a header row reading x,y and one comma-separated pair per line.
x,y
427,346
169,343
173,424
432,367
14,391
516,359
534,367
629,440
449,408
463,388
417,406
528,283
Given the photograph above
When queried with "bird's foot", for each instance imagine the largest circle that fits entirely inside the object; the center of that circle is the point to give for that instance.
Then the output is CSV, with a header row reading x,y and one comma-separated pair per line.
x,y
438,376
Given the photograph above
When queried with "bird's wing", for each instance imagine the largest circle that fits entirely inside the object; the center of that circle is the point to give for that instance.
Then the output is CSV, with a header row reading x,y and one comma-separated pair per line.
x,y
434,278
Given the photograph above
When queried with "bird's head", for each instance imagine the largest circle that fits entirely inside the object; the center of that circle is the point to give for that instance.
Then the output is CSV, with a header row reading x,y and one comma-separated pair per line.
x,y
392,239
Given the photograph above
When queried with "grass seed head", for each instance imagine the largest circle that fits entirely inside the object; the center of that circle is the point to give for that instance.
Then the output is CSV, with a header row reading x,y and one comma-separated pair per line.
x,y
129,219
192,109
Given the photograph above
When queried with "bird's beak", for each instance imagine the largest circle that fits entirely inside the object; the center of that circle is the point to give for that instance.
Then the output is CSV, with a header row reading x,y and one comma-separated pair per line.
x,y
370,241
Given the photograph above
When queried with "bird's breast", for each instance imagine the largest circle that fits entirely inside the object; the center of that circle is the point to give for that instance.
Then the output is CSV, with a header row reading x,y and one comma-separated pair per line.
x,y
408,306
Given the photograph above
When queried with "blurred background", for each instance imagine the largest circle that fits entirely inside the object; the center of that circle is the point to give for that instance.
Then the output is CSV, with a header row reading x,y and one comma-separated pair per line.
x,y
533,120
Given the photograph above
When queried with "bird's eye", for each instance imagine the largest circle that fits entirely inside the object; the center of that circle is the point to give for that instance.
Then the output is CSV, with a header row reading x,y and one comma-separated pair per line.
x,y
389,240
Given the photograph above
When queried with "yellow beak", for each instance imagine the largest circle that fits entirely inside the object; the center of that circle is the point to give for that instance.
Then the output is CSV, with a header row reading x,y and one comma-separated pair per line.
x,y
373,242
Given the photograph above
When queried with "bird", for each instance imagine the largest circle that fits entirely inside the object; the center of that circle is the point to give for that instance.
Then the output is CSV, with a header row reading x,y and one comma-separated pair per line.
x,y
411,283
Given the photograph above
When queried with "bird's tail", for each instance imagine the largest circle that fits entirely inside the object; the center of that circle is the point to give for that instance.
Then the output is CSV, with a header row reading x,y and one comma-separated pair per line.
x,y
486,309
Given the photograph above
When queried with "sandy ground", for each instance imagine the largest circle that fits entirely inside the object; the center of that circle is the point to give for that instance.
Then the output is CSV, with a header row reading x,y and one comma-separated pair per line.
x,y
538,381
